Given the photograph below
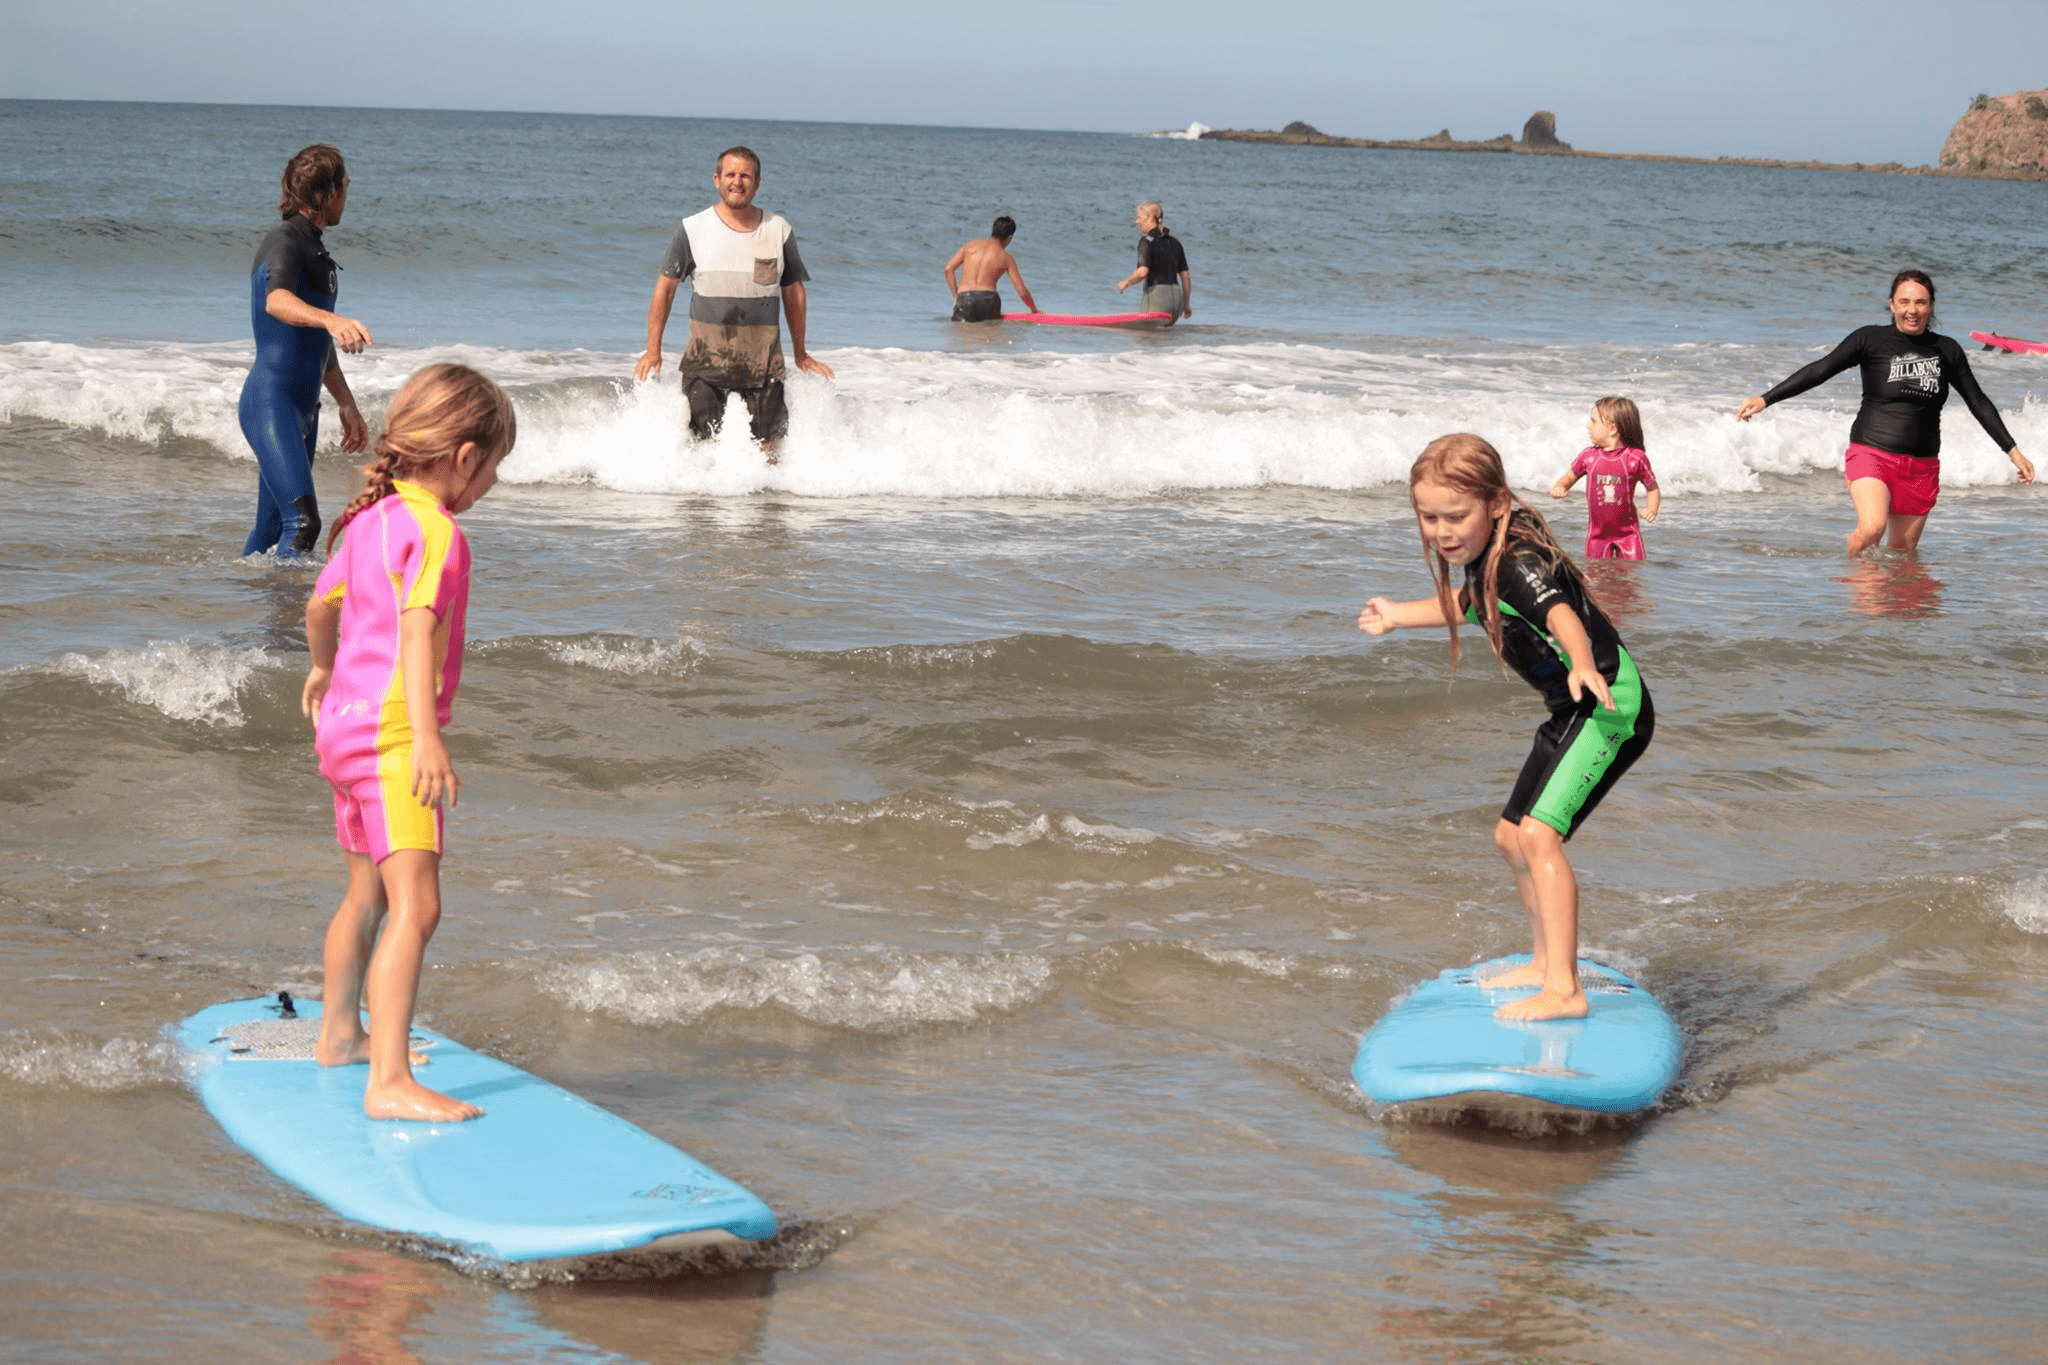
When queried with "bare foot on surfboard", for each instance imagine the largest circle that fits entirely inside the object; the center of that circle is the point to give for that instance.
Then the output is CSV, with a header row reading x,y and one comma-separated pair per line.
x,y
1514,978
354,1051
411,1100
1545,1005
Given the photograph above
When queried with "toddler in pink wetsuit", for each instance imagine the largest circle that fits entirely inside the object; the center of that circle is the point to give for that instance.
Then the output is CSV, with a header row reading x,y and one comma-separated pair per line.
x,y
1612,466
384,628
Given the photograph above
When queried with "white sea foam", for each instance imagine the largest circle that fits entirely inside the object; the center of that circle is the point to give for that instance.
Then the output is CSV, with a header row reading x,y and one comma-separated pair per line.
x,y
1262,961
64,1060
924,658
885,992
153,393
183,681
1024,422
1016,830
2026,905
629,656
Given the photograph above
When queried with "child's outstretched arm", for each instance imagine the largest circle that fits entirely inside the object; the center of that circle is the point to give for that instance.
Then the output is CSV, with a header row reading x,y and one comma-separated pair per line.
x,y
1564,483
1383,614
433,773
1568,630
323,633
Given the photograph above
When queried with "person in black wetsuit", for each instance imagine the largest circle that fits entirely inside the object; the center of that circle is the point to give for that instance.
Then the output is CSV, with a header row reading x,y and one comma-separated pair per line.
x,y
1162,267
292,288
1541,618
1894,460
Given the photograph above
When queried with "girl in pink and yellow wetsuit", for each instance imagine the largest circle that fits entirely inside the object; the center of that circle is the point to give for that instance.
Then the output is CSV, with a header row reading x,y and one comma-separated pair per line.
x,y
385,630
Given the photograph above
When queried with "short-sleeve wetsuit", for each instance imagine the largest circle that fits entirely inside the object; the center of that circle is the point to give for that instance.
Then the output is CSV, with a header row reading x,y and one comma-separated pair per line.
x,y
1160,253
1612,528
1583,748
401,552
735,343
1906,379
280,407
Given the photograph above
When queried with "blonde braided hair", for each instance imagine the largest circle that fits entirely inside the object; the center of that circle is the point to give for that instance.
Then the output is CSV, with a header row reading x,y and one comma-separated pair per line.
x,y
438,410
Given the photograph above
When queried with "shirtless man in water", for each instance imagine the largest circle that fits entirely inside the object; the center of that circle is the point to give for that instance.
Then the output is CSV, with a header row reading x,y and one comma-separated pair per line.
x,y
981,265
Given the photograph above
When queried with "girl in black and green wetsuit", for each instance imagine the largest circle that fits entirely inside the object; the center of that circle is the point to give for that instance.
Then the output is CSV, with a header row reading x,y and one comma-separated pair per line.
x,y
1541,618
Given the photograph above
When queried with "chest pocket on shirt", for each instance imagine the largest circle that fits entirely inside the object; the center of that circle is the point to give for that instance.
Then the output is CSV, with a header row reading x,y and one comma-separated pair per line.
x,y
767,270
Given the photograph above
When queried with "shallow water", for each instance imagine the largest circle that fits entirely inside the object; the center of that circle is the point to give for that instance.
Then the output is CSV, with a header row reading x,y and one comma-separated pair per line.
x,y
986,835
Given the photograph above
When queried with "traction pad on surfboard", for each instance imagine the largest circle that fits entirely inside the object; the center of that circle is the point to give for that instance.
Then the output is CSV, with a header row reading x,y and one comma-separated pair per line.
x,y
1591,982
280,1040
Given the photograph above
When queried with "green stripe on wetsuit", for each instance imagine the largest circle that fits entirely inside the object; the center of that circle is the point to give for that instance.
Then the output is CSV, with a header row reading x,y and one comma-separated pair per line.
x,y
1597,741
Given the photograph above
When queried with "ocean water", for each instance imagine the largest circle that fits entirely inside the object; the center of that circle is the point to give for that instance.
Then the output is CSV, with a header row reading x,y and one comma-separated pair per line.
x,y
984,832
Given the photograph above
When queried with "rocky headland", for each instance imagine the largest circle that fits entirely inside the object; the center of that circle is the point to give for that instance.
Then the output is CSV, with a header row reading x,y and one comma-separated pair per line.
x,y
2002,137
2005,136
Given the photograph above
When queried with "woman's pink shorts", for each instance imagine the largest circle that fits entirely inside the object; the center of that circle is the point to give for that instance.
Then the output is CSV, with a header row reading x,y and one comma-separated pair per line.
x,y
1914,482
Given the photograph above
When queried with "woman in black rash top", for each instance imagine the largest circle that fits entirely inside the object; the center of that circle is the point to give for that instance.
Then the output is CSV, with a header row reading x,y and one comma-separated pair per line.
x,y
1894,460
1162,267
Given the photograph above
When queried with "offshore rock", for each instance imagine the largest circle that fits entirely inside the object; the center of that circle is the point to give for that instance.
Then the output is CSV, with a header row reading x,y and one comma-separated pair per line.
x,y
1540,133
2001,135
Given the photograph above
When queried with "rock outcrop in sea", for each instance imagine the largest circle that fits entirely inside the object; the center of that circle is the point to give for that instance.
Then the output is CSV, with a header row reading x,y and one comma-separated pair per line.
x,y
2004,135
1540,132
1538,135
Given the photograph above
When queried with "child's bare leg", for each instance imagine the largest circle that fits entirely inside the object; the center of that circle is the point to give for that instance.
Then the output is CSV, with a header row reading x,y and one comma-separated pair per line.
x,y
1507,837
1559,995
412,887
1873,501
351,935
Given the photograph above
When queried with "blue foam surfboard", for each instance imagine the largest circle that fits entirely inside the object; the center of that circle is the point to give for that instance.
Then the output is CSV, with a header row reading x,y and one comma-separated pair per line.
x,y
542,1175
1441,1042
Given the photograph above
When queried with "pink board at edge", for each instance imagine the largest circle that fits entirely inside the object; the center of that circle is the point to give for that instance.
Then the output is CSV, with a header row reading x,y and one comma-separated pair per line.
x,y
1092,319
2000,343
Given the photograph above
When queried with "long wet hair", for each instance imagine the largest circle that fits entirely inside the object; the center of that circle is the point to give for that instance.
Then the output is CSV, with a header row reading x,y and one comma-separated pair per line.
x,y
438,410
1628,421
311,178
1158,217
1469,464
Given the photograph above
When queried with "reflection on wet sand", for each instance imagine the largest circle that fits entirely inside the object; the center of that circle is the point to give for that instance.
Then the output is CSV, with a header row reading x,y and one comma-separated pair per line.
x,y
369,1304
1472,1155
377,1307
1618,588
1893,585
1499,1220
683,1319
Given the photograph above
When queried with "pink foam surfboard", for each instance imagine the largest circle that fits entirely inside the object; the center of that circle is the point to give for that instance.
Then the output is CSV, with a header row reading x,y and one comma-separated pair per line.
x,y
1994,342
1092,319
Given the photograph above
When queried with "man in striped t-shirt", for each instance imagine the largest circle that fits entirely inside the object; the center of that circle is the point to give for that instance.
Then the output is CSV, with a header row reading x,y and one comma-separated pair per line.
x,y
747,271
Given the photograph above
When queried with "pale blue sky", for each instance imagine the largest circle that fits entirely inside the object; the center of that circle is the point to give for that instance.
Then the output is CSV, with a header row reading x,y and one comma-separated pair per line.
x,y
1878,80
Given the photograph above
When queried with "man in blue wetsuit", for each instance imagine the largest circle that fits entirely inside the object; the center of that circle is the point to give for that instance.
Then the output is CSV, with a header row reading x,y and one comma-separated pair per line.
x,y
292,288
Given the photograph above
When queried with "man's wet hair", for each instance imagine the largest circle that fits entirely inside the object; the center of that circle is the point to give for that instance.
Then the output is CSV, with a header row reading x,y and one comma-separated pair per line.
x,y
1005,228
